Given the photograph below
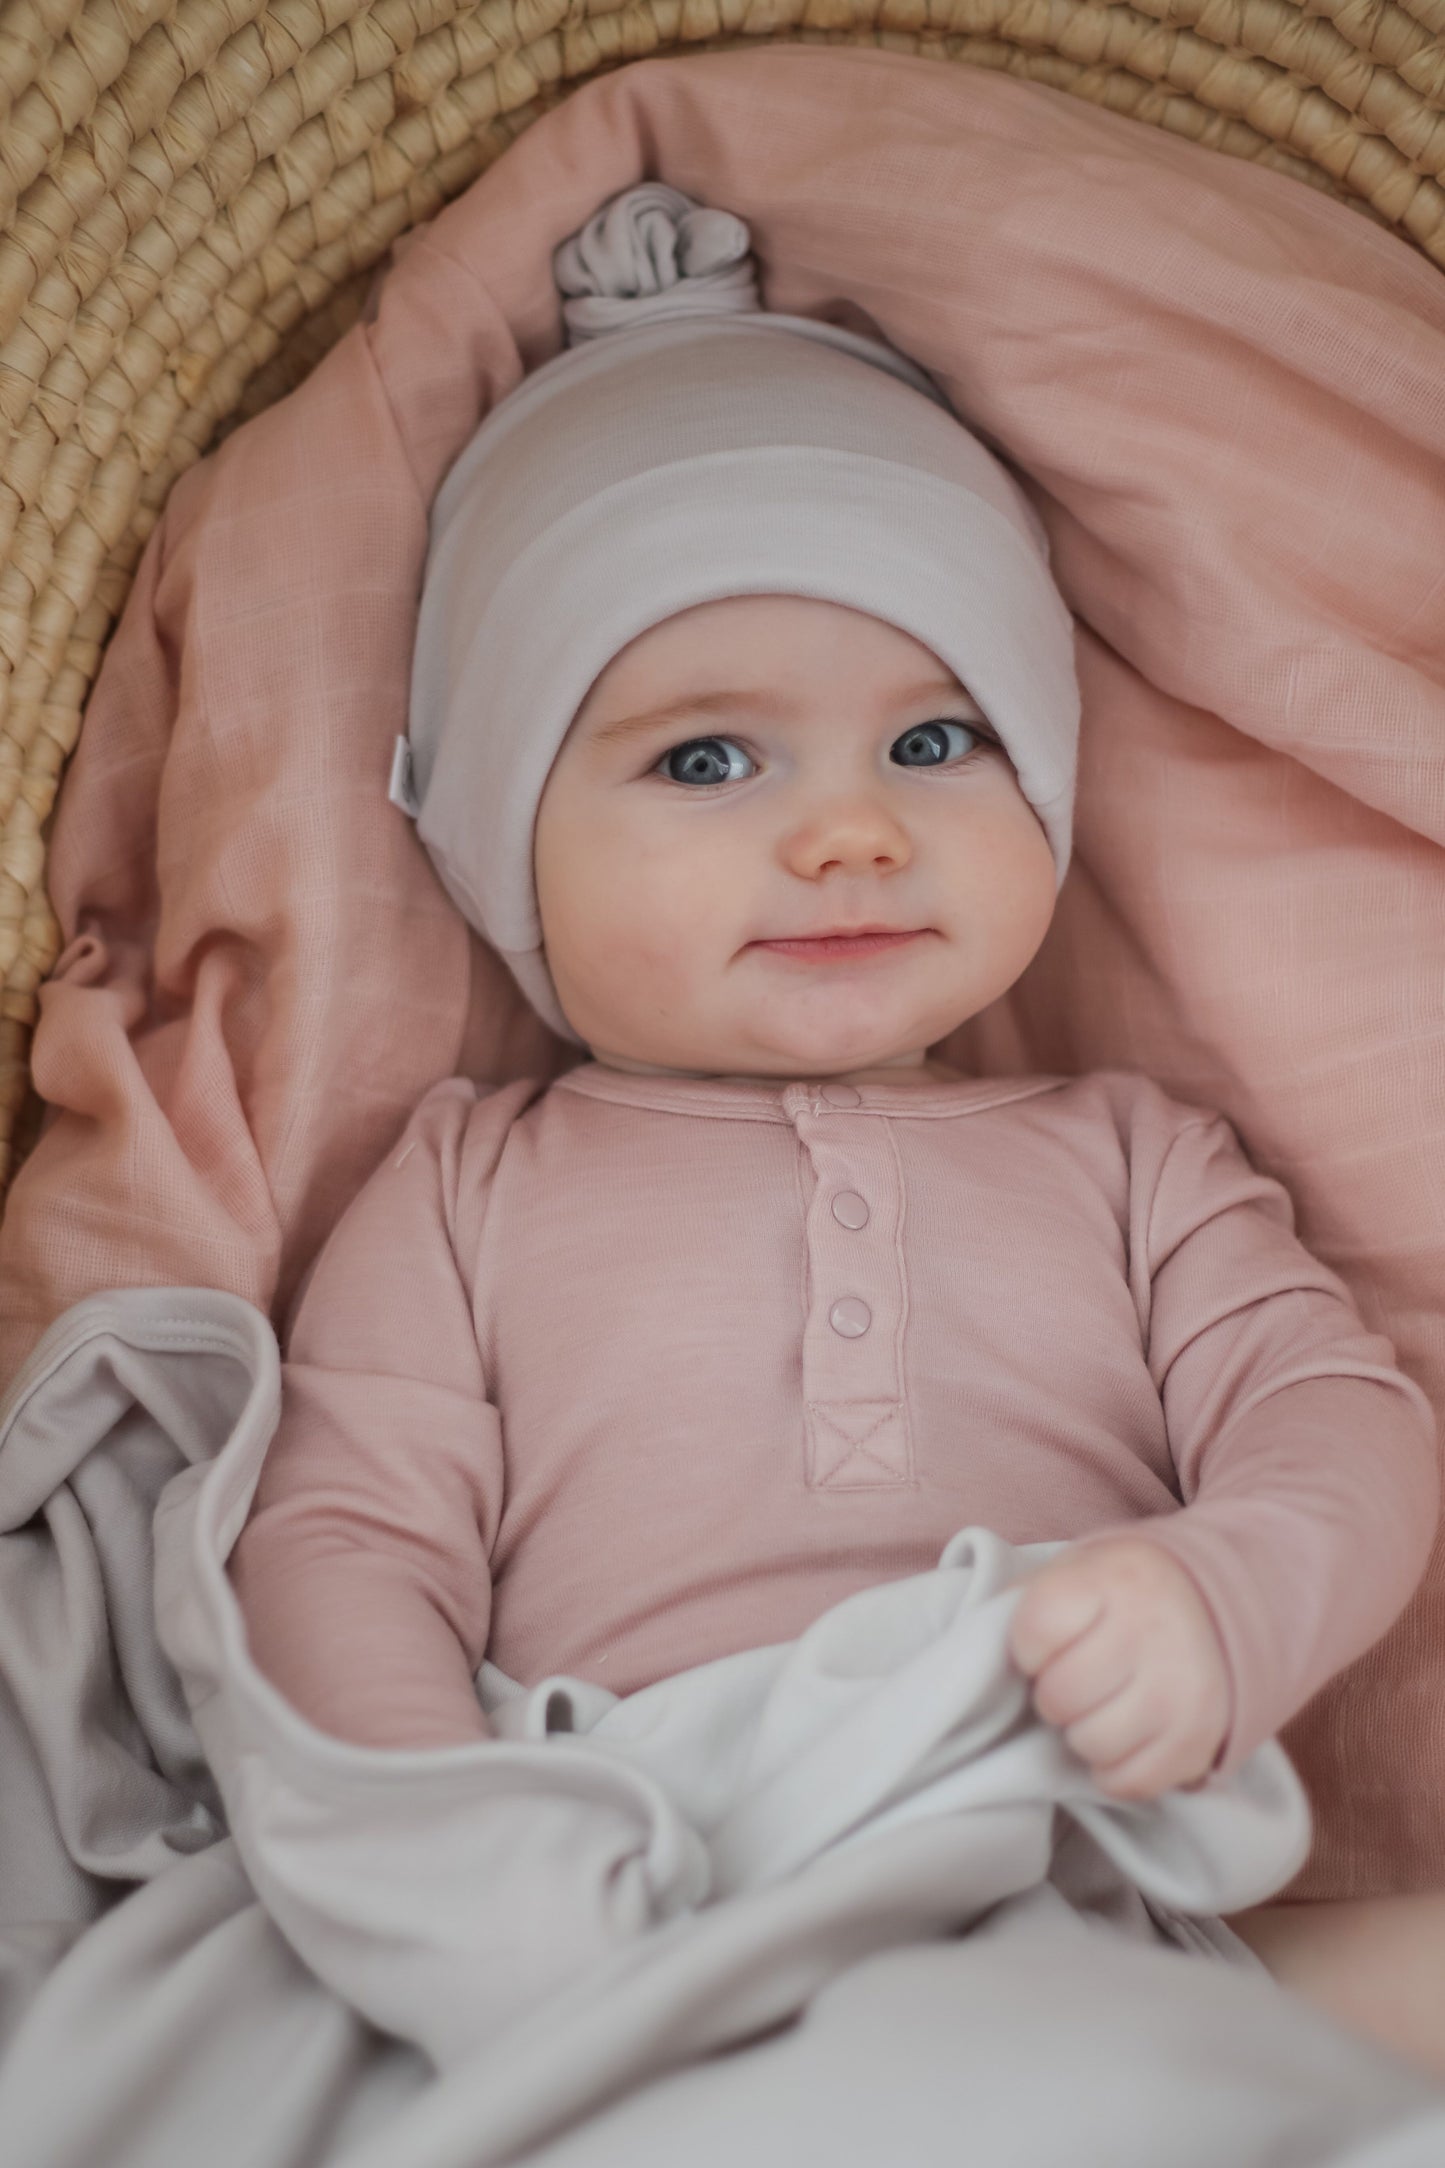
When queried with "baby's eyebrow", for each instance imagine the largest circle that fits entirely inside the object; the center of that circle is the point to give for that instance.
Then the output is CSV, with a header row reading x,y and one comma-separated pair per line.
x,y
754,699
678,711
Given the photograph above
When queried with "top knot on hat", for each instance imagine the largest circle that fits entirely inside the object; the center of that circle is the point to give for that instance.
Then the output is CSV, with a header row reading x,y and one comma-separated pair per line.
x,y
652,254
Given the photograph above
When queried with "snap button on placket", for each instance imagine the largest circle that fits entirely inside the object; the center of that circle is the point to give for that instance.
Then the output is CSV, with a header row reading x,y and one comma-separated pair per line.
x,y
851,1317
849,1209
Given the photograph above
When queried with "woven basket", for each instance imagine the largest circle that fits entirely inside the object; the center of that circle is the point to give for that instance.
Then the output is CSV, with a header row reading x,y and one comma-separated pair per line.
x,y
193,194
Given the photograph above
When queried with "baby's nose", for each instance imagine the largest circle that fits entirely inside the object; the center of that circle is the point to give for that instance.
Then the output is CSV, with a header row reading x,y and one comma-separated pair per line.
x,y
855,834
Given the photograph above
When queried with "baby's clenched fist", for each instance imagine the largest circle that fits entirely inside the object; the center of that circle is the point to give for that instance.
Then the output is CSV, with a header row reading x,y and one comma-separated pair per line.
x,y
1125,1662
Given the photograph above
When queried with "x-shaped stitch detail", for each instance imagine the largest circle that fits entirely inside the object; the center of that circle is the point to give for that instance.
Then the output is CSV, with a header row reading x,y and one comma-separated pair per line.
x,y
859,1454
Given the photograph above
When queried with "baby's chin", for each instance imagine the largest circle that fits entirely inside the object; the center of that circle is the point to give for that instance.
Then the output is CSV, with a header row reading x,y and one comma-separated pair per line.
x,y
750,1055
800,1045
780,1031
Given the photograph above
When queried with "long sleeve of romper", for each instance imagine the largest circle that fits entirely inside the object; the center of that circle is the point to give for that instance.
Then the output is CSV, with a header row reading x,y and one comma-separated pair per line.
x,y
1306,1460
362,1573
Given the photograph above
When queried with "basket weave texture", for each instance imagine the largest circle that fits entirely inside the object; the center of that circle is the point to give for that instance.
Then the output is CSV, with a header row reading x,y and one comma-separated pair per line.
x,y
194,194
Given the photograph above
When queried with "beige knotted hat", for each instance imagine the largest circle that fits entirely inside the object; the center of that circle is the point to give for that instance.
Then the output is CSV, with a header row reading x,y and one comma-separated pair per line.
x,y
690,445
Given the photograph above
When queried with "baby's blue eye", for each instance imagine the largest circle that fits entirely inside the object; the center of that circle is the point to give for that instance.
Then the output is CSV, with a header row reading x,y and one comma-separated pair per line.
x,y
928,744
702,760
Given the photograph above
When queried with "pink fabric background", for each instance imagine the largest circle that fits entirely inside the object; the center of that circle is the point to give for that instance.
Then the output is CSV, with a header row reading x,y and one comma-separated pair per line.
x,y
1226,395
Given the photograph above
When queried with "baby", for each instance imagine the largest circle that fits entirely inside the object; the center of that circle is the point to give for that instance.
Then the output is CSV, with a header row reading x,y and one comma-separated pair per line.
x,y
743,726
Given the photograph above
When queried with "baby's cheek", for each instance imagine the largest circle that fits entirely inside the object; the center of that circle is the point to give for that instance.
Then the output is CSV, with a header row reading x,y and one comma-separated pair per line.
x,y
670,911
646,921
639,962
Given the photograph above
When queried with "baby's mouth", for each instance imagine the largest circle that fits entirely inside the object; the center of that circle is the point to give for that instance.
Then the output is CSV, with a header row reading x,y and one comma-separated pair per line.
x,y
821,948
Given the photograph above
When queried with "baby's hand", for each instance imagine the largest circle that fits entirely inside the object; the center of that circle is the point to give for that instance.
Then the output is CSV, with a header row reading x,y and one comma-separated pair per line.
x,y
1126,1663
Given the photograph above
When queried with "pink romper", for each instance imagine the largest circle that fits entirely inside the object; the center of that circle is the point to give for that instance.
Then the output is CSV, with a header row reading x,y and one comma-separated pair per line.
x,y
620,1374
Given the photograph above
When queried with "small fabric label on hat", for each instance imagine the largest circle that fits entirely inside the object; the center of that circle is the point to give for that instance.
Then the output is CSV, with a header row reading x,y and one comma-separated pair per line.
x,y
402,790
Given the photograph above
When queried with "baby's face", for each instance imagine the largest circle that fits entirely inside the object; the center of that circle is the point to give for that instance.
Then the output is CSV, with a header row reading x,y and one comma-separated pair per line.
x,y
761,769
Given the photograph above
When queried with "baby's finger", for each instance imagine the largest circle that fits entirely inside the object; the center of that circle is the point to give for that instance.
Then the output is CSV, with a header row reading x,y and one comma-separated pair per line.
x,y
1090,1672
1120,1727
1160,1766
1052,1612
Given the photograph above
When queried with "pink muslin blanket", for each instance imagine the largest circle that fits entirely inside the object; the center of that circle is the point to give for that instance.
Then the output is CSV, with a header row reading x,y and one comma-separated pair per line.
x,y
1225,394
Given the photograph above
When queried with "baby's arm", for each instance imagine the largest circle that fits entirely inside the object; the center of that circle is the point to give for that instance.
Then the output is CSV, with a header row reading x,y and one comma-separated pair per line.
x,y
1307,1463
362,1573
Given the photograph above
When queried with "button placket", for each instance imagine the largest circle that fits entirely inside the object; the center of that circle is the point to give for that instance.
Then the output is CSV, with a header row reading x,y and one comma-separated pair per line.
x,y
857,1422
